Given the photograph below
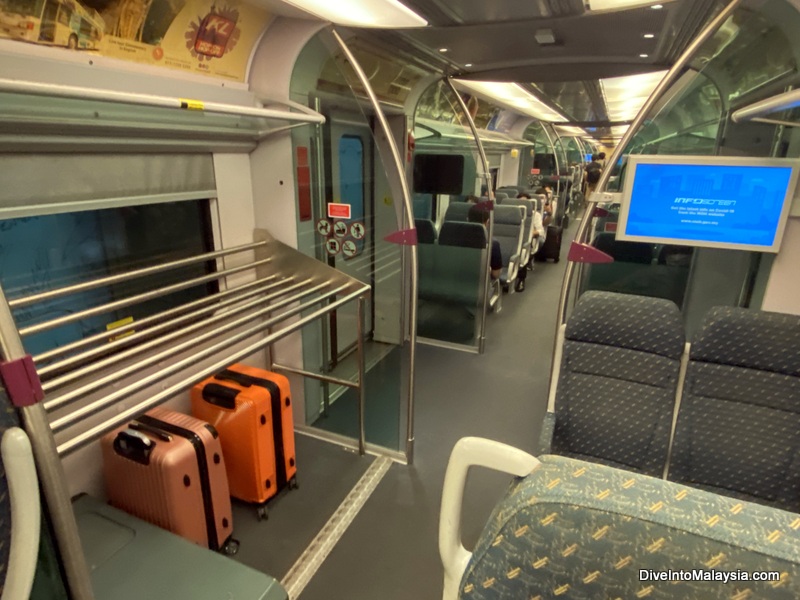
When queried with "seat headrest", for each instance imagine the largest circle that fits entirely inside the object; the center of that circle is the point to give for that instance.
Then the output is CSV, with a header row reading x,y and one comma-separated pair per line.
x,y
457,211
626,321
523,202
500,196
747,338
508,215
465,235
631,252
426,231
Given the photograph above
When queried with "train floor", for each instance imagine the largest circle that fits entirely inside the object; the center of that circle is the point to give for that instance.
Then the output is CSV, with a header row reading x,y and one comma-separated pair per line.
x,y
390,551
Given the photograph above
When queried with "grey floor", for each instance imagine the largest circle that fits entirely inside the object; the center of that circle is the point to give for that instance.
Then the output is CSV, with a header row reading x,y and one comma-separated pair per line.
x,y
391,550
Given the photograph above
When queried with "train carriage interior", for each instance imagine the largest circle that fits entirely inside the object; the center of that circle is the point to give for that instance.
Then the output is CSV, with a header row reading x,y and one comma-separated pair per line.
x,y
275,275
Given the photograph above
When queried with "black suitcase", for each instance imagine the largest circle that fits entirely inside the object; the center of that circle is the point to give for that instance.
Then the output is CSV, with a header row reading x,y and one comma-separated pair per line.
x,y
551,249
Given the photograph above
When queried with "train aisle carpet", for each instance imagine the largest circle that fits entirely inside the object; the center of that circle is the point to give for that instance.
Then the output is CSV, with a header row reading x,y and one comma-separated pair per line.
x,y
390,552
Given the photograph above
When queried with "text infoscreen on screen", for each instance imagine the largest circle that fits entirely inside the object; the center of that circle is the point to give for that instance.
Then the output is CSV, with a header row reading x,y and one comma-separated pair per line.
x,y
711,204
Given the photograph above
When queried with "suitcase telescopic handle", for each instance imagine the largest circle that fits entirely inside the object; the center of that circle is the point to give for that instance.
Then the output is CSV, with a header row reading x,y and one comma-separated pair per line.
x,y
220,395
134,446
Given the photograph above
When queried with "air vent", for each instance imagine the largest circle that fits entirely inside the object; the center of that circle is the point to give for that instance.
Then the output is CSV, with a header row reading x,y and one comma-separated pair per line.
x,y
545,37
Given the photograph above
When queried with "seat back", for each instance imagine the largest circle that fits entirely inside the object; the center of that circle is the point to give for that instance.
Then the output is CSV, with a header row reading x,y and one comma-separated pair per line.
x,y
527,224
738,428
458,263
457,211
426,231
501,196
508,230
572,530
618,380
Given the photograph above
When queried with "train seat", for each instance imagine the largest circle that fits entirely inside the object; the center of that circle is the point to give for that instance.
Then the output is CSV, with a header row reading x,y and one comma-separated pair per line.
x,y
510,190
455,265
527,226
501,197
457,211
573,530
738,427
616,383
508,230
426,231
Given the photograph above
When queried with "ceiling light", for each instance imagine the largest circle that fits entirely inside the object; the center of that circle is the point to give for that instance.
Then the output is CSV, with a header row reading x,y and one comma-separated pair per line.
x,y
601,5
362,13
442,49
625,96
643,55
514,97
468,65
649,36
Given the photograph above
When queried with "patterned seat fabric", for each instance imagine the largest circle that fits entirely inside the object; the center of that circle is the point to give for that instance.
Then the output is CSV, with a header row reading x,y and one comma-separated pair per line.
x,y
738,429
578,531
619,374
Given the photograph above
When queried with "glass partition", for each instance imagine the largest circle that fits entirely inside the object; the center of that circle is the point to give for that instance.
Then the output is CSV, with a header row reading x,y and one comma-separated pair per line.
x,y
448,180
344,162
752,56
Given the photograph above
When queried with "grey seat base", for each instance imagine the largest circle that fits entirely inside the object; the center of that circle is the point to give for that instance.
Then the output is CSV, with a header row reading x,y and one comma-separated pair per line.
x,y
130,559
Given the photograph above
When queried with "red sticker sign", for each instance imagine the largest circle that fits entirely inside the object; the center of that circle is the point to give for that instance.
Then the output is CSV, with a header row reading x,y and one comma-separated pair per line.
x,y
535,171
337,210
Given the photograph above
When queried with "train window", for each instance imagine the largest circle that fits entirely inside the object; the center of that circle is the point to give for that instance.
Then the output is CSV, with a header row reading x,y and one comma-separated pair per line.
x,y
42,253
351,174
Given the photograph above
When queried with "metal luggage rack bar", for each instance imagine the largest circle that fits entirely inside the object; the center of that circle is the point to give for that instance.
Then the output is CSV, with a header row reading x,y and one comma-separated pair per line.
x,y
290,291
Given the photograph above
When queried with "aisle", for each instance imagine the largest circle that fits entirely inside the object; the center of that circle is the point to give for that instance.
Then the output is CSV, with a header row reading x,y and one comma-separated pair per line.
x,y
391,550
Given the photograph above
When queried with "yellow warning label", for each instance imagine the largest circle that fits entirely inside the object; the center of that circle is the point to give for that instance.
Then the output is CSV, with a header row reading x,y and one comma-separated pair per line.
x,y
192,104
117,325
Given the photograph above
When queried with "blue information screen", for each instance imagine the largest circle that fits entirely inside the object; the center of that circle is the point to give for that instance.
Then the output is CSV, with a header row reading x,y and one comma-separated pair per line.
x,y
708,203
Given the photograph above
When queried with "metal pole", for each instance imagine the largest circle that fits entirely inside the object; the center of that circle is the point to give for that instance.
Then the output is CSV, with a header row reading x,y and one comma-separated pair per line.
x,y
111,279
362,439
490,193
406,193
123,417
143,297
199,324
81,93
51,472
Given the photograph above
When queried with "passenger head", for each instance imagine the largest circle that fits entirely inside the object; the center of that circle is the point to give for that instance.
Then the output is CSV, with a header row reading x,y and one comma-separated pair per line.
x,y
602,156
478,214
524,195
472,199
595,157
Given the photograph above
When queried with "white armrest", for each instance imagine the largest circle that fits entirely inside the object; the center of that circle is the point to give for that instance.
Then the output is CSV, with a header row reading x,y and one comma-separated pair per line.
x,y
23,491
469,452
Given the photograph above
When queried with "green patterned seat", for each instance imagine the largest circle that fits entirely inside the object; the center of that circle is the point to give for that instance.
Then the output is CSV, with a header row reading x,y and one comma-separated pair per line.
x,y
581,531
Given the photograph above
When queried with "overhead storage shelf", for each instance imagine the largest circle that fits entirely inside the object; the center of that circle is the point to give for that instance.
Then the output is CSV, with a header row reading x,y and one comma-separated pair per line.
x,y
100,382
61,117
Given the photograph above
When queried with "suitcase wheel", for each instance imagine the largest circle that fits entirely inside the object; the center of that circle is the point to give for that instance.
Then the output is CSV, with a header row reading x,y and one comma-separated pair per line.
x,y
231,547
261,513
293,485
555,260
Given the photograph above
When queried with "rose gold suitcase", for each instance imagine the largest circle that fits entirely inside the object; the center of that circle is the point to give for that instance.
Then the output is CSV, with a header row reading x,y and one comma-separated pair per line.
x,y
167,468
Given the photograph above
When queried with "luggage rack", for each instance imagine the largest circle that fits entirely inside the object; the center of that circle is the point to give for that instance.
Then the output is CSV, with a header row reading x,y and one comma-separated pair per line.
x,y
72,395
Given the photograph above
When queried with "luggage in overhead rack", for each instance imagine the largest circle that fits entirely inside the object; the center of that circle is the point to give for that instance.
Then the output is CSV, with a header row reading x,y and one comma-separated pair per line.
x,y
252,410
168,469
551,248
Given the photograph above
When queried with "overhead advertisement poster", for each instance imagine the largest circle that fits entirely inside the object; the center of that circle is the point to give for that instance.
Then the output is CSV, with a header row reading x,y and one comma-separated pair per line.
x,y
196,36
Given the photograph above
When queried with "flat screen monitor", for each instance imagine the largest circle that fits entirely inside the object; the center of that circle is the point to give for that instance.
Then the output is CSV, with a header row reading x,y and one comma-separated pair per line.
x,y
438,173
588,158
715,202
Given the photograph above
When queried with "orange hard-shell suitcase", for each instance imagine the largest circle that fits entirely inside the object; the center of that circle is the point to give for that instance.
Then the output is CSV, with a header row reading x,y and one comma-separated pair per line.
x,y
243,417
282,418
167,468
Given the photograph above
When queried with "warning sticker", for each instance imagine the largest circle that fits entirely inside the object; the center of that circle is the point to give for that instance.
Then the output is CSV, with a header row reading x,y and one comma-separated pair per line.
x,y
338,210
332,246
340,229
349,248
324,227
357,231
